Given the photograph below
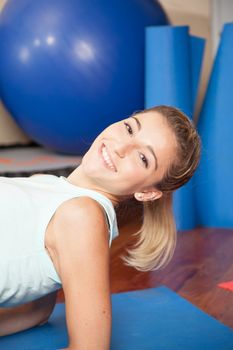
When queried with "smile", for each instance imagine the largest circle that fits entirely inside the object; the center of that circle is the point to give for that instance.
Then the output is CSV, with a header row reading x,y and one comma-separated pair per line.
x,y
107,160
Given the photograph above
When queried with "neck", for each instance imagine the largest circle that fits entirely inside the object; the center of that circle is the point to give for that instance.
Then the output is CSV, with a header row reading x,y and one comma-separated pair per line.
x,y
78,178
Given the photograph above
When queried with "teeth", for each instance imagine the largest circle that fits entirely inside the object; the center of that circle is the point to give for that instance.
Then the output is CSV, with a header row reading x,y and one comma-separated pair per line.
x,y
107,158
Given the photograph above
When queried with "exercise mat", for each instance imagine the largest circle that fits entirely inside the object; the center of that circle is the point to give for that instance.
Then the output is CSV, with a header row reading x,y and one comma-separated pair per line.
x,y
150,319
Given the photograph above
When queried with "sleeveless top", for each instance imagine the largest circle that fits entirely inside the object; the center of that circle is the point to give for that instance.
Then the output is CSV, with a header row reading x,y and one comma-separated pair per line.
x,y
26,206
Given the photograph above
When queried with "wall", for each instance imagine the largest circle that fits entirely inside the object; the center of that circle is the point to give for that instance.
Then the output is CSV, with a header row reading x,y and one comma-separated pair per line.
x,y
221,12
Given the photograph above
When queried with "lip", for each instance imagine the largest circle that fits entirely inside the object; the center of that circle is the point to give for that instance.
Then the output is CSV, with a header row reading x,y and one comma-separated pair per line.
x,y
101,156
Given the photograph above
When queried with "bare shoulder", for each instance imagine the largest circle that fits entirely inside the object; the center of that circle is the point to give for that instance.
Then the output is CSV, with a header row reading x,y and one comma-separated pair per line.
x,y
82,208
79,216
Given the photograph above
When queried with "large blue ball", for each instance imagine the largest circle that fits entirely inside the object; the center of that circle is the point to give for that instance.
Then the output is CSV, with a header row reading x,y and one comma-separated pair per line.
x,y
68,68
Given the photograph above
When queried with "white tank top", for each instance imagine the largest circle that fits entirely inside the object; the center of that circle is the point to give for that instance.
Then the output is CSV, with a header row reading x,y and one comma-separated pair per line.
x,y
26,207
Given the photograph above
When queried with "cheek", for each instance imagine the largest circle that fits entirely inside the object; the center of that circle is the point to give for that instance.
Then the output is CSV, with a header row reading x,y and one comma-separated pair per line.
x,y
132,168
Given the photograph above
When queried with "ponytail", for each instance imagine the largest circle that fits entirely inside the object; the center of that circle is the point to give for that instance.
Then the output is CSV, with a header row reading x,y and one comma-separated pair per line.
x,y
156,238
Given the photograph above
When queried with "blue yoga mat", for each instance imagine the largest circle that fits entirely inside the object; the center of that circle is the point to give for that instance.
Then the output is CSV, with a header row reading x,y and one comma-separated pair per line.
x,y
173,62
214,180
151,319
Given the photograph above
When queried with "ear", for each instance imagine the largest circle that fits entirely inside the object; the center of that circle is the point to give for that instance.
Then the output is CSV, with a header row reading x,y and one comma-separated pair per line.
x,y
149,195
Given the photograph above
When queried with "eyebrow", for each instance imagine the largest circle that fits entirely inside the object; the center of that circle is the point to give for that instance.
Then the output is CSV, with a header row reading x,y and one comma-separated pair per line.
x,y
138,123
148,146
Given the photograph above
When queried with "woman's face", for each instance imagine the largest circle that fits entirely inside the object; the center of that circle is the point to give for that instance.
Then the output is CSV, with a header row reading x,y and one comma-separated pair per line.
x,y
131,155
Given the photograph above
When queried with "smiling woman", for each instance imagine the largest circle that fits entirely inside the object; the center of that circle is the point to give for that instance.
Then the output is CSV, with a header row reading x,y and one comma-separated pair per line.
x,y
147,156
64,226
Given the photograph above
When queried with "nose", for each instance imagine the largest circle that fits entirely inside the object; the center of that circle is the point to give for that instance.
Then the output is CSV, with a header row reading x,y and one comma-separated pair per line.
x,y
122,149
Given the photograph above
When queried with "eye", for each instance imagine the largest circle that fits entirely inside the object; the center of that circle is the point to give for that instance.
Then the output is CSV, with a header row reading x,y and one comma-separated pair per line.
x,y
144,160
129,129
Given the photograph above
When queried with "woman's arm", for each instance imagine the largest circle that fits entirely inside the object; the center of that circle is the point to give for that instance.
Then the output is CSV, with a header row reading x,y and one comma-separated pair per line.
x,y
82,253
19,318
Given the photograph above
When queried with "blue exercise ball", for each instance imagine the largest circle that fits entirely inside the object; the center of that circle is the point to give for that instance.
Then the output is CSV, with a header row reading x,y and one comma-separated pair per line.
x,y
68,68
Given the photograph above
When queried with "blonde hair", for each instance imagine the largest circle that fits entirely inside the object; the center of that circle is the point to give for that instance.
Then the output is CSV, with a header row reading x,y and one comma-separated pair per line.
x,y
157,236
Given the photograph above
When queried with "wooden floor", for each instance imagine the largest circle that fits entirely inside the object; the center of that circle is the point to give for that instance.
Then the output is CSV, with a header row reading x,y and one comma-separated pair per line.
x,y
203,258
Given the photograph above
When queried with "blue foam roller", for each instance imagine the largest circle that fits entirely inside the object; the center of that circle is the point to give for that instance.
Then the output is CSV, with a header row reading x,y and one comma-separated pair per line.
x,y
172,64
151,319
214,184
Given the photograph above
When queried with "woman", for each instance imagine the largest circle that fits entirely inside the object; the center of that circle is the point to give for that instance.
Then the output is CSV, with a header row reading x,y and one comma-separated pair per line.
x,y
146,156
